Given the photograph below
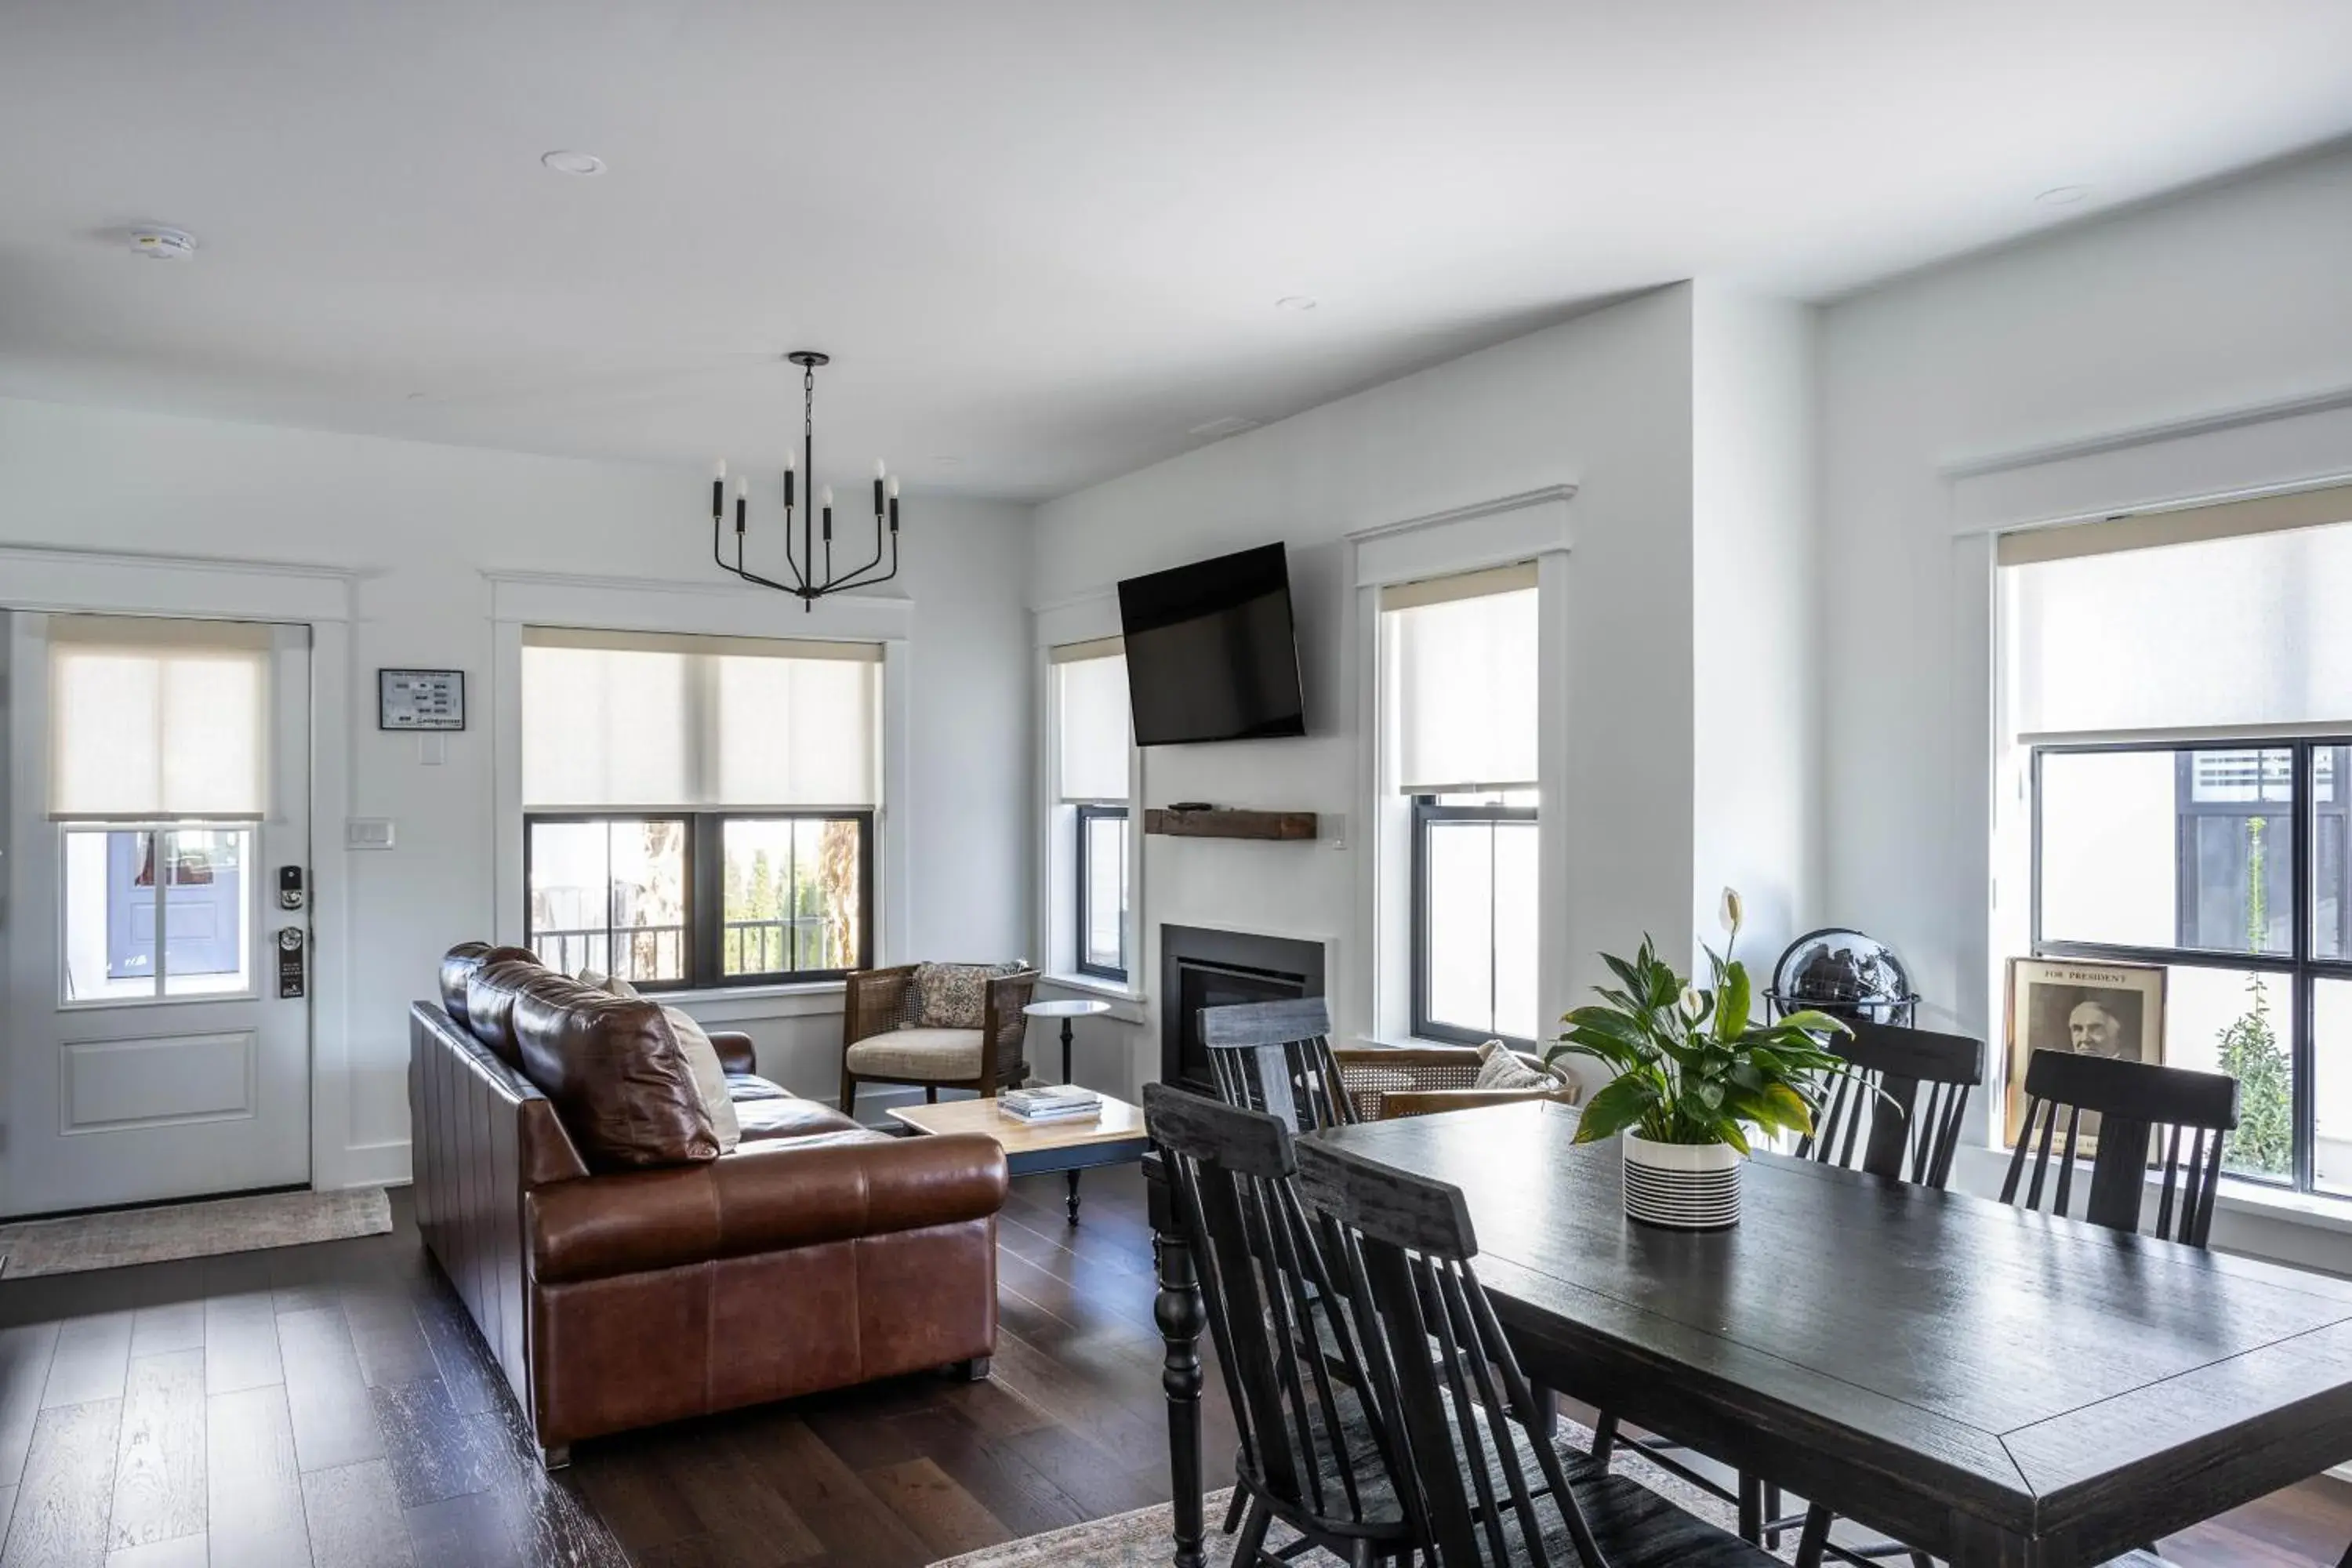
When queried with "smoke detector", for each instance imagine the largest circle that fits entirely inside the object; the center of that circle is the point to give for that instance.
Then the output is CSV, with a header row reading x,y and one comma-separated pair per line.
x,y
163,243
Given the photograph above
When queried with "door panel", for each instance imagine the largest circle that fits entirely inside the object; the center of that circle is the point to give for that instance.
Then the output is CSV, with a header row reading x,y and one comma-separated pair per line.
x,y
149,1054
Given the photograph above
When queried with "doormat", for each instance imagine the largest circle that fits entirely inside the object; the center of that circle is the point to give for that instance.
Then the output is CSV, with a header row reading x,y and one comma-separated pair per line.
x,y
128,1236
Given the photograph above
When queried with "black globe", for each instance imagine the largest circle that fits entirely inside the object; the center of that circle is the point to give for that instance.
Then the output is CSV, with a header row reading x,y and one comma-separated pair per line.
x,y
1845,973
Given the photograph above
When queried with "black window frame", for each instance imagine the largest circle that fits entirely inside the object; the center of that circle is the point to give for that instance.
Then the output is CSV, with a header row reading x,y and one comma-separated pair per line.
x,y
1089,813
1427,813
2300,967
705,933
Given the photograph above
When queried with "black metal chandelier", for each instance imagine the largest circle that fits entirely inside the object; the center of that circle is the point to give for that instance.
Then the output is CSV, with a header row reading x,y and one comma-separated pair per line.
x,y
810,581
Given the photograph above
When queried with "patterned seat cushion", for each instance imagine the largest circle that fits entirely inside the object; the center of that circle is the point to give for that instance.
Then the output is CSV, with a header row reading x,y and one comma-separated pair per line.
x,y
940,1055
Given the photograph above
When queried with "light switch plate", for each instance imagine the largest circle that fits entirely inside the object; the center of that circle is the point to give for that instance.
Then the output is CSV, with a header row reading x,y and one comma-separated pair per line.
x,y
368,833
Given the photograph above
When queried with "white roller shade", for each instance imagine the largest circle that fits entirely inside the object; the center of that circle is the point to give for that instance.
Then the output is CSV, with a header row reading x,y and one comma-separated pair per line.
x,y
619,720
1094,731
155,720
2234,632
1461,658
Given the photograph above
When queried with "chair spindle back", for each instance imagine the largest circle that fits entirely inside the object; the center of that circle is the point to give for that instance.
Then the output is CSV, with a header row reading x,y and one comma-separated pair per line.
x,y
2130,1103
1275,1056
1901,1107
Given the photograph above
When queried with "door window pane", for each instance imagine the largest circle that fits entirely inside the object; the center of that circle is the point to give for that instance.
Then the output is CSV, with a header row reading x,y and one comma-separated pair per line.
x,y
156,911
2331,872
790,894
610,895
2242,1022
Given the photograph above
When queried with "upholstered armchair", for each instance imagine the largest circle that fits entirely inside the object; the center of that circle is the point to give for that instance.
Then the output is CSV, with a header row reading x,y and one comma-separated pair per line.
x,y
1382,1082
884,1040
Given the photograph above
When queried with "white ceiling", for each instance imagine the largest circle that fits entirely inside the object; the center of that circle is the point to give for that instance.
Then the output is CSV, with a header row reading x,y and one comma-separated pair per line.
x,y
1042,238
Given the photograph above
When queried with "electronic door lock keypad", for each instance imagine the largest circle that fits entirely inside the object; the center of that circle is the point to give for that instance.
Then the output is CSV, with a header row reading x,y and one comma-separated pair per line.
x,y
290,887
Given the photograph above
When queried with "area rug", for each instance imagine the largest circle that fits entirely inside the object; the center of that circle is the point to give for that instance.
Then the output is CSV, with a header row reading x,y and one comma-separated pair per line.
x,y
125,1236
1141,1539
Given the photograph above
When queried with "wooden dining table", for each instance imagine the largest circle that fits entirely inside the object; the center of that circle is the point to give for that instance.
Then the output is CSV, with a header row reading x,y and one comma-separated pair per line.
x,y
1989,1385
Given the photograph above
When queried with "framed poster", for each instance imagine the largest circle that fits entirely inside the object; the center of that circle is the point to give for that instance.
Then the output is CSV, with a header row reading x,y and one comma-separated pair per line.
x,y
2090,1009
420,699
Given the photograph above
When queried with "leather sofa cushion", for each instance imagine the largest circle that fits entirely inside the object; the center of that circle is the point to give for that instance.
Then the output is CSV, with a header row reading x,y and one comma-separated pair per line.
x,y
611,1066
938,1054
765,1121
457,967
748,1086
762,1198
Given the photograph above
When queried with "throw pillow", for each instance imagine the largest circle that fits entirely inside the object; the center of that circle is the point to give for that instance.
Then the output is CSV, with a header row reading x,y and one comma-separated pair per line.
x,y
1500,1068
709,1075
955,996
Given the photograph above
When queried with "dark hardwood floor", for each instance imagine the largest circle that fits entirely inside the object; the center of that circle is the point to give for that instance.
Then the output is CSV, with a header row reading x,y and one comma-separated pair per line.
x,y
330,1404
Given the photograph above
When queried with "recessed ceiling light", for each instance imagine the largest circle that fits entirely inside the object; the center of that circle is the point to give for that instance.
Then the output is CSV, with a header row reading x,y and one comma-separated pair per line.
x,y
2062,196
565,163
163,243
1294,302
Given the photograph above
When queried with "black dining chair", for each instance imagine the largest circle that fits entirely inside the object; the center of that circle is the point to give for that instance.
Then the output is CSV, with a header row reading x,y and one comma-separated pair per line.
x,y
2112,1112
1898,1115
1486,1494
1315,1452
2129,1106
1275,1056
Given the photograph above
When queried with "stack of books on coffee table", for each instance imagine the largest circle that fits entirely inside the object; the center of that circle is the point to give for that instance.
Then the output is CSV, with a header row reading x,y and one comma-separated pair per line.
x,y
1051,1102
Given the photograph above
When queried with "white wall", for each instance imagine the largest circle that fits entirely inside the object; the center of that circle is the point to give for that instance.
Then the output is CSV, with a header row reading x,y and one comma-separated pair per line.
x,y
1602,403
420,526
2223,301
1754,619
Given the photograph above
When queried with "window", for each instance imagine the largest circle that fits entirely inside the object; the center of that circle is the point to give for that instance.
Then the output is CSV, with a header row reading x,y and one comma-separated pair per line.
x,y
1093,738
700,811
2186,803
159,770
1460,679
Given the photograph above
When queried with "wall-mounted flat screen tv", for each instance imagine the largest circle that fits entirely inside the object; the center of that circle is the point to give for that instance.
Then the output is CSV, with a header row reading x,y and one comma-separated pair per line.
x,y
1211,654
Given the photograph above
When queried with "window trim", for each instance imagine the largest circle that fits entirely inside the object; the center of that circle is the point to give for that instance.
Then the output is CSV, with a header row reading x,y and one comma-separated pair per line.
x,y
1088,812
2302,968
704,938
1427,813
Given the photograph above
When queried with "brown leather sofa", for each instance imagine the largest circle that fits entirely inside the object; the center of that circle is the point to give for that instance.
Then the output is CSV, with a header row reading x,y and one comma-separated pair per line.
x,y
635,1275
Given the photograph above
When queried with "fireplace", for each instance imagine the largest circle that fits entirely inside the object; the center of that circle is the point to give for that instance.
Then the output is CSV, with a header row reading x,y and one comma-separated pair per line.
x,y
1201,968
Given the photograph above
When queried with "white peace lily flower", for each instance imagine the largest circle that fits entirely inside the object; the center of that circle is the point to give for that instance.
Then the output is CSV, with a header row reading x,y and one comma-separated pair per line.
x,y
1693,1003
1735,913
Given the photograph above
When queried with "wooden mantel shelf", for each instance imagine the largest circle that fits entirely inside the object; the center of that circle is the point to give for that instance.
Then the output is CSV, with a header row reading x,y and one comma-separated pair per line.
x,y
1217,823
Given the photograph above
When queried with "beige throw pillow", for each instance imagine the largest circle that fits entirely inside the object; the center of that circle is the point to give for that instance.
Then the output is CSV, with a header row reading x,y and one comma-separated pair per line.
x,y
1500,1068
701,1060
710,1076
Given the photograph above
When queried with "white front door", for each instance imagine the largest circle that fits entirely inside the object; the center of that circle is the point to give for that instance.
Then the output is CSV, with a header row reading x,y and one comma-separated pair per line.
x,y
155,1046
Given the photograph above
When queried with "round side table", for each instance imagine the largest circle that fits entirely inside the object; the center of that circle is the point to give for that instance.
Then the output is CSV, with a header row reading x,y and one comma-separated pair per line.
x,y
1068,1011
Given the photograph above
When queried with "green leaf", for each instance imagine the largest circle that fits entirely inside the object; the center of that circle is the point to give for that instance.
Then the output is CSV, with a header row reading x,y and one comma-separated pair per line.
x,y
1614,1108
1789,1107
1731,1006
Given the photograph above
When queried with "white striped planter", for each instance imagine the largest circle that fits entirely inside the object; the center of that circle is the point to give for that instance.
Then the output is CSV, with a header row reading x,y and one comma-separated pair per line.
x,y
1682,1187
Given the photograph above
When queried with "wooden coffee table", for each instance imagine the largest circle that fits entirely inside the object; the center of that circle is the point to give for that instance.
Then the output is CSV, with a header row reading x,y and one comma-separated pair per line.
x,y
1116,1137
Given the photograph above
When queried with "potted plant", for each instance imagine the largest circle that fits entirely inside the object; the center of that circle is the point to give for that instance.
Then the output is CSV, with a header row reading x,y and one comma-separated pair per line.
x,y
1693,1072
